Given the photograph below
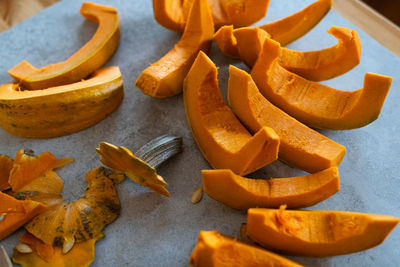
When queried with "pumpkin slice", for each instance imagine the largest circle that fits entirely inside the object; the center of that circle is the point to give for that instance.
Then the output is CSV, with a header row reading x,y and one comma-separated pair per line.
x,y
284,31
61,110
317,105
165,77
223,140
216,250
15,213
173,14
296,192
89,58
122,160
43,255
318,233
314,65
300,146
6,164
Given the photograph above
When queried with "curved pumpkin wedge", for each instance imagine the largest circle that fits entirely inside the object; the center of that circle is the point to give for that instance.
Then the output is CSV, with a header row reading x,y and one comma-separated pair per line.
x,y
6,164
284,31
122,160
15,213
81,254
318,233
296,192
216,250
317,105
300,146
165,77
289,29
173,14
314,65
60,110
89,58
223,140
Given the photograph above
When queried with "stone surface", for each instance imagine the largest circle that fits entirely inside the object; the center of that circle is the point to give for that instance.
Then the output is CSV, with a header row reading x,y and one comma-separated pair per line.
x,y
157,231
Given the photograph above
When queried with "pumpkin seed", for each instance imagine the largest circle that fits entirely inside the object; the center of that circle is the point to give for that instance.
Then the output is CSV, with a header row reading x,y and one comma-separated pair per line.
x,y
4,259
67,246
2,216
197,195
23,248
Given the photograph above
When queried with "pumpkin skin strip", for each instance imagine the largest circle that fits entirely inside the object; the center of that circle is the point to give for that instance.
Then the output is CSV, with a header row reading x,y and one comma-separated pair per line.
x,y
300,146
313,65
6,164
216,250
61,110
164,78
223,140
16,213
284,31
173,14
89,58
314,104
296,192
317,233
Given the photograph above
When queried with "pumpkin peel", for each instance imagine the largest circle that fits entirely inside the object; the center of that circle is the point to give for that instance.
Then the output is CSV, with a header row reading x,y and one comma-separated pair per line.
x,y
122,159
164,78
222,139
295,192
317,233
317,105
85,61
300,146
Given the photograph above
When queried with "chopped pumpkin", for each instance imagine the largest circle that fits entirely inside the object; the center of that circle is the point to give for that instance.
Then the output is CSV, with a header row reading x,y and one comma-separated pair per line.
x,y
244,193
314,104
223,140
317,233
300,146
165,77
6,164
88,59
216,250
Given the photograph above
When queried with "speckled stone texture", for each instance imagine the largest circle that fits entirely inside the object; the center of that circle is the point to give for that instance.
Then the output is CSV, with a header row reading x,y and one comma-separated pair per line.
x,y
157,231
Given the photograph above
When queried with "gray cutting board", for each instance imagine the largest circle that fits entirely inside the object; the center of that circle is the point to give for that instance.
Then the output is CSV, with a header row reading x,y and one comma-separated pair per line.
x,y
157,231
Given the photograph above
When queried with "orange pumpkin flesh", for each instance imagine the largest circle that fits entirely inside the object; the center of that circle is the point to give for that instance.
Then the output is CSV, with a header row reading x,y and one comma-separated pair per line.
x,y
81,254
165,77
314,65
317,105
61,110
85,61
296,192
216,250
300,146
222,139
173,14
6,164
317,233
284,31
15,213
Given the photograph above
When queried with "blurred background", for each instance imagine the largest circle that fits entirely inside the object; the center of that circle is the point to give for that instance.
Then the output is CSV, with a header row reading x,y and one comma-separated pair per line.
x,y
14,11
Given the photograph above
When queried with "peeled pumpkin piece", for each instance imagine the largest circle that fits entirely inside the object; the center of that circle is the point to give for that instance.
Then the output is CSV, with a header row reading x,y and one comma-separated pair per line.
x,y
6,164
122,160
313,65
300,146
165,77
89,58
296,192
15,213
173,14
284,31
223,140
81,254
61,110
216,250
314,104
317,233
